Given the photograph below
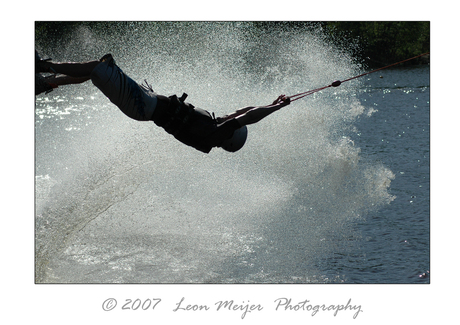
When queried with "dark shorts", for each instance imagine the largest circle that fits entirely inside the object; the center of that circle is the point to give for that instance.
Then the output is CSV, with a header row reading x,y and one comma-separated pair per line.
x,y
135,101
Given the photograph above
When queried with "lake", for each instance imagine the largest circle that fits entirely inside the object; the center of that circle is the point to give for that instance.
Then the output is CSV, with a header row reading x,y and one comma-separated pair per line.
x,y
334,188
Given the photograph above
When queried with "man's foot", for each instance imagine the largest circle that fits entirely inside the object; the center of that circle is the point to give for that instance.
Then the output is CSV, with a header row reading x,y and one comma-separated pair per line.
x,y
41,64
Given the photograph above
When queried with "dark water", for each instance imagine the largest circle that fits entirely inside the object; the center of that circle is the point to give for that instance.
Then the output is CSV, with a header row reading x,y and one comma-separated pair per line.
x,y
396,239
333,189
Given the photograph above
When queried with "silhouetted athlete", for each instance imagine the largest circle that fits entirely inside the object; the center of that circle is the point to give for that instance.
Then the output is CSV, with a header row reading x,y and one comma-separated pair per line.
x,y
190,125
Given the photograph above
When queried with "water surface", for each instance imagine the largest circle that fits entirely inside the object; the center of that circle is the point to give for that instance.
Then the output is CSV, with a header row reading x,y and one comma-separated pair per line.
x,y
332,189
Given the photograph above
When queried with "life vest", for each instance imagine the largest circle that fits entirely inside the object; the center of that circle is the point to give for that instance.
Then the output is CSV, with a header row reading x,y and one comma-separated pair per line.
x,y
172,113
186,123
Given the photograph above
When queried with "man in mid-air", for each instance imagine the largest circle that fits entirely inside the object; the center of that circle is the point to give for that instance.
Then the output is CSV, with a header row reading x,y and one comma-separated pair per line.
x,y
190,125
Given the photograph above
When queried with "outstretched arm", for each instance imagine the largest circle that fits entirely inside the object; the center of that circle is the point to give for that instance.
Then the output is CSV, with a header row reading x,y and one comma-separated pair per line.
x,y
235,114
251,115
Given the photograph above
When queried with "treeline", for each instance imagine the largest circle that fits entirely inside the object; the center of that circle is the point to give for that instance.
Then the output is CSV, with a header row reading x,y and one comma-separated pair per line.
x,y
374,43
383,42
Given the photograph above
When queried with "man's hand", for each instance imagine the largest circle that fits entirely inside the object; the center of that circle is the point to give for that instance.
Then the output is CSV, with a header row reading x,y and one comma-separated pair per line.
x,y
282,99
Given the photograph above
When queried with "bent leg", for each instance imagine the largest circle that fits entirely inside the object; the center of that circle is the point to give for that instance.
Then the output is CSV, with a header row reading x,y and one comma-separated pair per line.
x,y
134,101
73,69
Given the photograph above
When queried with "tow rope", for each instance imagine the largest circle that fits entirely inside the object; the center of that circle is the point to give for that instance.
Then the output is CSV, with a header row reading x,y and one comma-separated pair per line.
x,y
338,82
